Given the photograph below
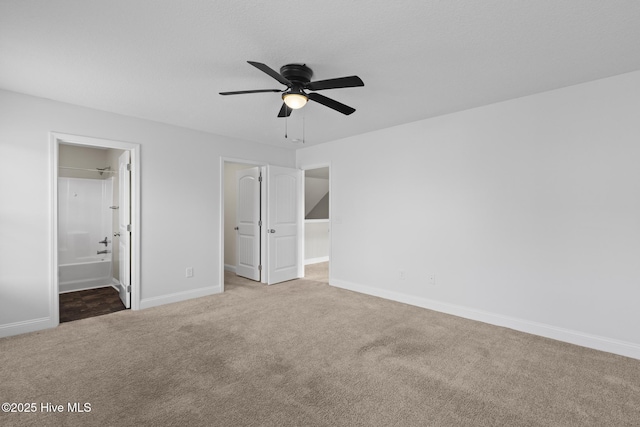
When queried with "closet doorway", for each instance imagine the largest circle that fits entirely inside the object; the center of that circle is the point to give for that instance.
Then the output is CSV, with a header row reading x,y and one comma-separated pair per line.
x,y
262,222
234,254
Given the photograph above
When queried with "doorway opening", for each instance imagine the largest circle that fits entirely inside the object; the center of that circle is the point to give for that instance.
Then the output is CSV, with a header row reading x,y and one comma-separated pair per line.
x,y
261,222
246,257
317,223
95,242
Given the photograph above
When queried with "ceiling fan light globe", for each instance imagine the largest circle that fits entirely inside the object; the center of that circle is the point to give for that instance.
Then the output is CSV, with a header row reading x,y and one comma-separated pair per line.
x,y
294,100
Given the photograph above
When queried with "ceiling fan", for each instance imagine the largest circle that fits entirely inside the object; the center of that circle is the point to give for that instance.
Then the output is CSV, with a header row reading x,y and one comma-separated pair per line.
x,y
297,78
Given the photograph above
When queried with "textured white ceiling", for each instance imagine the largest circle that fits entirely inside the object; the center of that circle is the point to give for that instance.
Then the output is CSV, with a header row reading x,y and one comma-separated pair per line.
x,y
166,60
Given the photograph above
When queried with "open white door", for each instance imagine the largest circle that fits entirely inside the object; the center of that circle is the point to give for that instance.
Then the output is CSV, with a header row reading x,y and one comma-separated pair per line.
x,y
124,227
284,223
248,223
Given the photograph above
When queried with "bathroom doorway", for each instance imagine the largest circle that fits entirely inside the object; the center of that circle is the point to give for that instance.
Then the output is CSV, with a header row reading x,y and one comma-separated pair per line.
x,y
88,242
94,193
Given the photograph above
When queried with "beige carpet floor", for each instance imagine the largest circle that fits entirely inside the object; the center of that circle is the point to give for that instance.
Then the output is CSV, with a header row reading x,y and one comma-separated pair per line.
x,y
303,353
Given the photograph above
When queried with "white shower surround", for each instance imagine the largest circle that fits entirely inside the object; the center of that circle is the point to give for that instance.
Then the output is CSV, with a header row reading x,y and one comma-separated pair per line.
x,y
84,219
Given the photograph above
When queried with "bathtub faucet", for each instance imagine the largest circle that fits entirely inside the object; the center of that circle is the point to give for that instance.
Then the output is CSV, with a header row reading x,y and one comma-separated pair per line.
x,y
105,242
106,251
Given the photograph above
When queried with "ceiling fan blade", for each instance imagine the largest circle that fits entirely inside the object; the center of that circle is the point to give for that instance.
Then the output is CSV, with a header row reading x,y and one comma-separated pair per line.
x,y
340,82
240,92
273,73
338,106
284,111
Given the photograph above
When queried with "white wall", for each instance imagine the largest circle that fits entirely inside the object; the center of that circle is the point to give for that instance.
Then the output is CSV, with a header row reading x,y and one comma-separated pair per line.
x,y
180,202
316,241
527,213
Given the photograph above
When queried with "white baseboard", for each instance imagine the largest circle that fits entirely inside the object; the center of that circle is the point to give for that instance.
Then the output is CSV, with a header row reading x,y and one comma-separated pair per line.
x,y
115,284
622,348
316,260
33,325
179,296
231,268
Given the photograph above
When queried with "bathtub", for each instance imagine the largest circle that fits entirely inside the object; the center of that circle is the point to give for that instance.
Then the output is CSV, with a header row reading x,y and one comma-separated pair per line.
x,y
87,273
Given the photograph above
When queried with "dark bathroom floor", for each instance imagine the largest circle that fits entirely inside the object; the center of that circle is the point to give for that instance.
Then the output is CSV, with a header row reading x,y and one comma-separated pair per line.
x,y
90,303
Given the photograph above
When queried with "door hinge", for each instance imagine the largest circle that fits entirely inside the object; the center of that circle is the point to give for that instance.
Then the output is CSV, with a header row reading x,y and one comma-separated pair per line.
x,y
260,223
259,268
260,178
128,288
129,227
128,166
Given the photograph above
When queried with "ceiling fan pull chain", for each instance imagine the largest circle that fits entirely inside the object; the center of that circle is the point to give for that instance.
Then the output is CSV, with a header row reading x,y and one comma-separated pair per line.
x,y
286,120
304,115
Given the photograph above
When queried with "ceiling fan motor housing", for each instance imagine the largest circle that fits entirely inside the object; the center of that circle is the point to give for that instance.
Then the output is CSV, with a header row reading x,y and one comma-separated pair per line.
x,y
296,73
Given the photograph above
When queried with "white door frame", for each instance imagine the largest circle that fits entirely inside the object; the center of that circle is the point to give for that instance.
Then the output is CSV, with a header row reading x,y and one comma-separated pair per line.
x,y
56,139
304,170
263,203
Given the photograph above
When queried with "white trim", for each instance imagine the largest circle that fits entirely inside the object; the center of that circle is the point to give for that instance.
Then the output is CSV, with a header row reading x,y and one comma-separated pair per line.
x,y
596,342
179,296
25,326
242,161
231,268
301,197
221,226
316,260
54,289
317,166
115,284
55,138
264,273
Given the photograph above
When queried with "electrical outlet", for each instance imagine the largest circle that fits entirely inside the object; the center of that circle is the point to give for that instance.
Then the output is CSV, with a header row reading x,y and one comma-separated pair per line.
x,y
432,279
189,272
402,275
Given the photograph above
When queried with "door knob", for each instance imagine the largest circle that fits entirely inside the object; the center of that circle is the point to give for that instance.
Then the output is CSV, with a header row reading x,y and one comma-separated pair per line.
x,y
272,231
236,228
